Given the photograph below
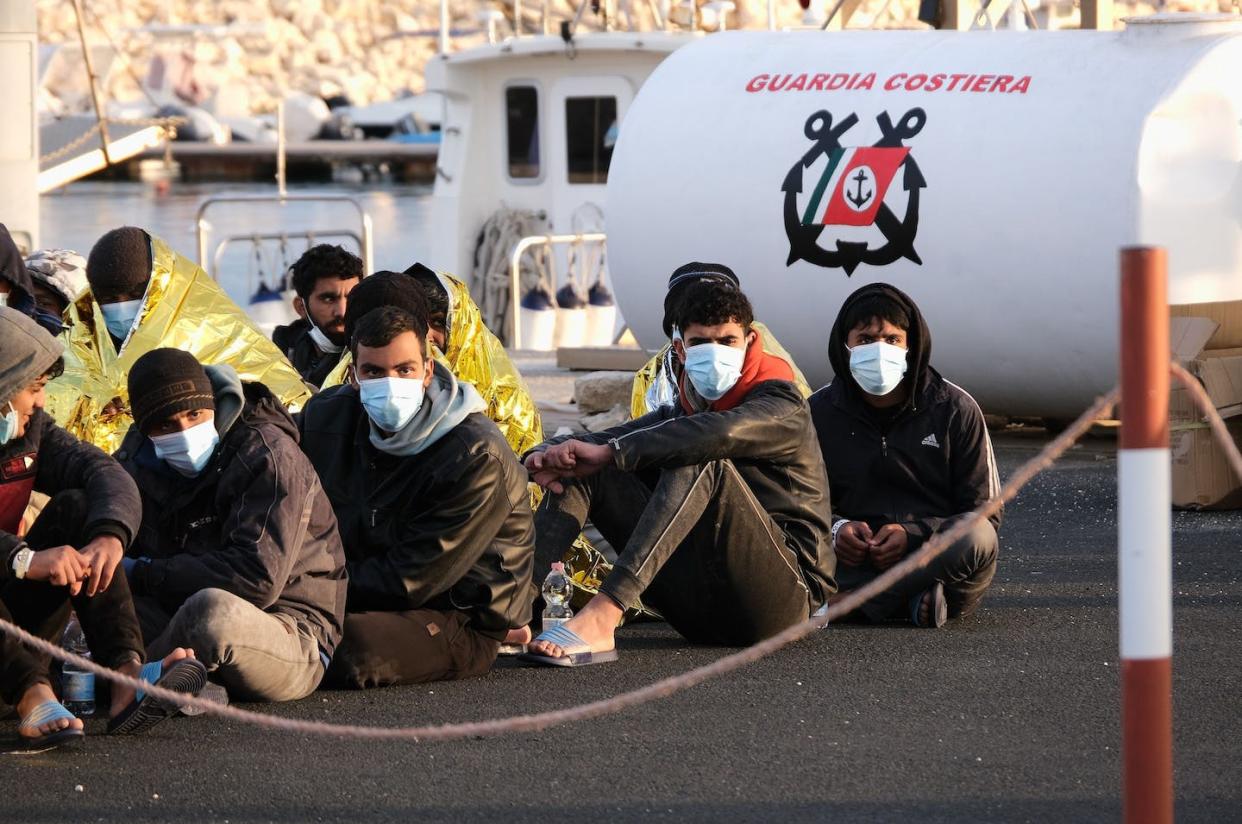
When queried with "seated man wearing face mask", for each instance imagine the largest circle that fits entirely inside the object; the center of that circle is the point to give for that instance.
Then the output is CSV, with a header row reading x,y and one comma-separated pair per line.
x,y
238,556
323,277
433,509
655,385
144,296
907,452
717,505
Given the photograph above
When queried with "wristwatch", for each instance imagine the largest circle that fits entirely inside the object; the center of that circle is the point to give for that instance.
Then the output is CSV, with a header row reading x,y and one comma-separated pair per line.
x,y
21,562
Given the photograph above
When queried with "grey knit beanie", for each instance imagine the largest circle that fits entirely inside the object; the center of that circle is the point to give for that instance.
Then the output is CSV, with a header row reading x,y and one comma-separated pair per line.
x,y
26,352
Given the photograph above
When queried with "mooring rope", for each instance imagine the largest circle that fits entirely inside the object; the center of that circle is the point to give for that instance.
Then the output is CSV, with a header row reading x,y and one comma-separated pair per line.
x,y
1200,396
659,689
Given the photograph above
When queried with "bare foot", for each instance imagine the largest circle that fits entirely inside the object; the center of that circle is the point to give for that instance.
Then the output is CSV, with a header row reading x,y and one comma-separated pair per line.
x,y
518,636
594,624
33,697
122,695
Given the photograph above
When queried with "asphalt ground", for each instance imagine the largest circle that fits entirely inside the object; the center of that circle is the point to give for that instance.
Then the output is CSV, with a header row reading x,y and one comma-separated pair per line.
x,y
1009,716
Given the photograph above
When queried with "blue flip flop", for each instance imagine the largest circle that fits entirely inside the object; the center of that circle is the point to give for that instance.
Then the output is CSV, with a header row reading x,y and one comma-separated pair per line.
x,y
188,676
939,607
577,652
45,712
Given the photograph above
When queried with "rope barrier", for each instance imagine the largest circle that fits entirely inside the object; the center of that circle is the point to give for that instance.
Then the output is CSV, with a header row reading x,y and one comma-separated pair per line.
x,y
1200,396
660,689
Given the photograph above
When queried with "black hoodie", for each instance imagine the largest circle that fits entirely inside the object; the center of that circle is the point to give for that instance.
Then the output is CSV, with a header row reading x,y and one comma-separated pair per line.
x,y
255,522
299,347
918,465
21,294
13,272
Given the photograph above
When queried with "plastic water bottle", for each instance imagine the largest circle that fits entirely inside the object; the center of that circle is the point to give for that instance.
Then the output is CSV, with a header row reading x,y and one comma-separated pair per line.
x,y
77,686
557,590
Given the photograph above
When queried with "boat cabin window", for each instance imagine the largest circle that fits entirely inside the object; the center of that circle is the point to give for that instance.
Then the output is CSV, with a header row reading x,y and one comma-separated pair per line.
x,y
522,124
590,134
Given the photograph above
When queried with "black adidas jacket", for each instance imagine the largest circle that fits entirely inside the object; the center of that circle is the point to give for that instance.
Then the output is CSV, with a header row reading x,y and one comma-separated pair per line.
x,y
932,461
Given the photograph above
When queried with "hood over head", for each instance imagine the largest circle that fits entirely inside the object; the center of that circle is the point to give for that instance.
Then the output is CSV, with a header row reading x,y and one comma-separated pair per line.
x,y
918,341
247,402
27,351
13,267
61,270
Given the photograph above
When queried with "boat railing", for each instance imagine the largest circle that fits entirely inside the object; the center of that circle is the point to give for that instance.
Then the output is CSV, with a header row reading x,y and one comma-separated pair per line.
x,y
283,238
362,235
515,268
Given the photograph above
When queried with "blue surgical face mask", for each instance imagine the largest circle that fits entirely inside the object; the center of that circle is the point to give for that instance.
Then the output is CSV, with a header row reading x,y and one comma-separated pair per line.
x,y
713,368
8,425
391,403
878,367
189,450
120,317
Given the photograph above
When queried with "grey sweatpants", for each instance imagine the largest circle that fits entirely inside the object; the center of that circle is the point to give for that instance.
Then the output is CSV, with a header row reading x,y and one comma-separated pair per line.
x,y
255,655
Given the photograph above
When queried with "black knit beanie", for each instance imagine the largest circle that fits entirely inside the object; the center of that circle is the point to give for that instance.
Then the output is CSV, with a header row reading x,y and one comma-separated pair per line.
x,y
384,289
166,381
692,273
120,262
702,271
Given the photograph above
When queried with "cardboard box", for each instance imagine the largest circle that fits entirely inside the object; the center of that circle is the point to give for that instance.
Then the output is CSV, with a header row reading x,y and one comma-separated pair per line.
x,y
1228,316
1219,371
1202,476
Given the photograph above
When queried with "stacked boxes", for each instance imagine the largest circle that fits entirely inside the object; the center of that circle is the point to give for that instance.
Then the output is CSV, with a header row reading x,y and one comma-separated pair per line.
x,y
1202,476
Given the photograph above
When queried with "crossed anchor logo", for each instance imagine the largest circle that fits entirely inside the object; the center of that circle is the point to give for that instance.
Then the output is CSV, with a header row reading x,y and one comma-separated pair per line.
x,y
852,191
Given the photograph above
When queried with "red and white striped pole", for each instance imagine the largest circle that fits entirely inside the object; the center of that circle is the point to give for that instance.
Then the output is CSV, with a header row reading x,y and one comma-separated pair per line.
x,y
1145,566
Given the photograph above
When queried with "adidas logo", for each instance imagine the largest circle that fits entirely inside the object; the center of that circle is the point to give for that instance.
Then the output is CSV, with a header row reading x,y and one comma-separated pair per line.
x,y
930,440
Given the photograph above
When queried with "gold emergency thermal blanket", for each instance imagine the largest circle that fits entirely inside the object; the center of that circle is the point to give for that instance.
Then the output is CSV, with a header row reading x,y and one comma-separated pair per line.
x,y
653,389
184,309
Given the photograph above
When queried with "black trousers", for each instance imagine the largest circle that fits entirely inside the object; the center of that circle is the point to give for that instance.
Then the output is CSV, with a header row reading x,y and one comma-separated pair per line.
x,y
42,609
693,541
383,649
966,569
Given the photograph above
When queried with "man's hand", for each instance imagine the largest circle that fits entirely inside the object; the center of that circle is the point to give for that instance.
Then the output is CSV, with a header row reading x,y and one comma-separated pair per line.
x,y
571,459
60,566
888,546
102,556
589,458
541,474
851,543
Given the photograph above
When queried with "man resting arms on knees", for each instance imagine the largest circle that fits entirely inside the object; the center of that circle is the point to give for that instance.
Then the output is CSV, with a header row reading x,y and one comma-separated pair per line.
x,y
238,556
717,505
70,556
907,453
433,509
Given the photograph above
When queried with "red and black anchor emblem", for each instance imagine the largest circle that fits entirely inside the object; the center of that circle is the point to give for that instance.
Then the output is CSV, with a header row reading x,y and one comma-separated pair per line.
x,y
852,193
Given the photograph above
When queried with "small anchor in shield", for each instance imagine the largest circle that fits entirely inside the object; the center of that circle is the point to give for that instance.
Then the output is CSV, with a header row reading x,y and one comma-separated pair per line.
x,y
859,199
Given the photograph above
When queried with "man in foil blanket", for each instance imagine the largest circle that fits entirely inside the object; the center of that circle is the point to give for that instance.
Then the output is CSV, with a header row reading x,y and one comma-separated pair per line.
x,y
145,296
655,385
